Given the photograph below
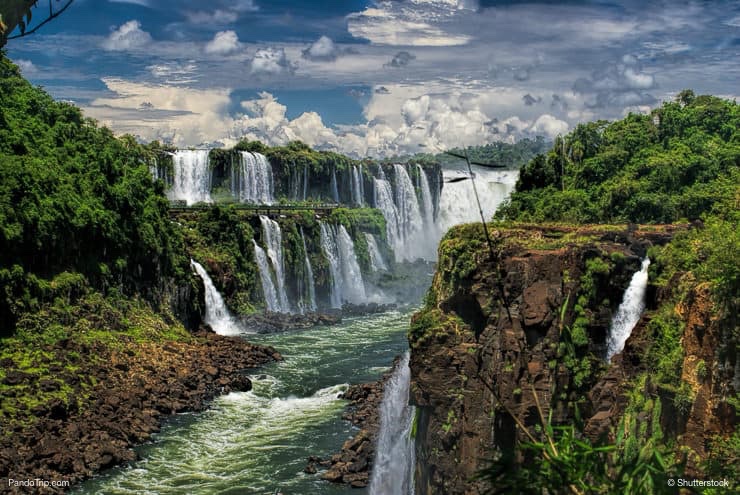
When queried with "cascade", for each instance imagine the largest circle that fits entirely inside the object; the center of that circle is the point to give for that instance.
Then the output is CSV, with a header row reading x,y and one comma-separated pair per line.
x,y
358,188
426,198
217,314
192,181
268,287
251,181
347,283
309,277
383,195
407,204
393,470
305,182
376,258
457,203
273,240
333,185
629,311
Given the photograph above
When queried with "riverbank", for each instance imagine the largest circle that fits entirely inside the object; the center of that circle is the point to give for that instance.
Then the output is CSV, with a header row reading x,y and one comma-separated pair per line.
x,y
108,404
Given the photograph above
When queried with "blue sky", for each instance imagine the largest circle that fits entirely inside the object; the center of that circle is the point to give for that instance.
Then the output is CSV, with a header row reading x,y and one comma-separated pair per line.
x,y
377,77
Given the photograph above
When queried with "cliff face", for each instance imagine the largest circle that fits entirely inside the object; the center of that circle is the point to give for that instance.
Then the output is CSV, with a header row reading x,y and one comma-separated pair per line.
x,y
526,327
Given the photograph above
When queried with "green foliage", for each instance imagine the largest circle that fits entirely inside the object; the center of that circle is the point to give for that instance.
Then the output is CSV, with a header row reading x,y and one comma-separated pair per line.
x,y
74,199
634,171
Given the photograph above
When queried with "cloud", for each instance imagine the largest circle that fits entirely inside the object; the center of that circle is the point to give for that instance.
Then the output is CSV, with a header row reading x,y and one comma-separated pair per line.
x,y
549,126
245,6
218,17
175,72
401,59
530,100
321,49
143,3
223,43
127,37
271,61
27,67
382,90
622,84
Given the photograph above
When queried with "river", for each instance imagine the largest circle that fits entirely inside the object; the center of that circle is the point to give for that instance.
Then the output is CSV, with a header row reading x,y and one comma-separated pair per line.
x,y
258,442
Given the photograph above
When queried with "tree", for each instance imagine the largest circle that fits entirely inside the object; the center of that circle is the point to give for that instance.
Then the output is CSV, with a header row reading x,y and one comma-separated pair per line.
x,y
19,13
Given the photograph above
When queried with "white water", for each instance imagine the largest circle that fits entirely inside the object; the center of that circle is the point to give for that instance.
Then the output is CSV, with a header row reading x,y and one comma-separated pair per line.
x,y
192,181
309,279
393,470
273,240
383,195
347,284
377,263
251,180
268,286
217,314
629,312
358,187
457,204
410,224
333,185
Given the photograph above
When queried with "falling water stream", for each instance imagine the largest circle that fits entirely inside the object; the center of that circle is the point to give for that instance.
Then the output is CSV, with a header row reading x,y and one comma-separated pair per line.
x,y
629,312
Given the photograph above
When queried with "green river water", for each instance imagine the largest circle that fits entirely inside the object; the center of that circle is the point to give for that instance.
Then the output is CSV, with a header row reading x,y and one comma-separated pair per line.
x,y
258,442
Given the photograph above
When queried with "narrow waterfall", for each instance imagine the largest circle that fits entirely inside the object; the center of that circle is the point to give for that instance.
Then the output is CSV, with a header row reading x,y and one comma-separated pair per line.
x,y
333,185
251,180
305,182
358,188
268,286
347,283
426,198
192,181
273,240
217,314
409,216
309,278
383,196
629,311
393,469
377,262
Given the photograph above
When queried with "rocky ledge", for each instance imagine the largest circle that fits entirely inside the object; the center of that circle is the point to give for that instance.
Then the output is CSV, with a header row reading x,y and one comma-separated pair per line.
x,y
281,322
136,387
352,465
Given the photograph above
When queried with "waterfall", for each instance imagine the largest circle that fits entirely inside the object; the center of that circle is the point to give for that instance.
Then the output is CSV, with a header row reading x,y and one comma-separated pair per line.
x,y
305,182
629,311
192,181
376,258
347,283
426,198
393,469
358,188
251,181
409,216
273,240
383,196
333,185
217,314
268,287
309,277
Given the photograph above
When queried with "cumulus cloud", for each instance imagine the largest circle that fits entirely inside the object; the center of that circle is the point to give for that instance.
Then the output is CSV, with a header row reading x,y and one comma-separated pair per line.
x,y
128,36
270,61
27,67
401,59
223,43
321,49
622,84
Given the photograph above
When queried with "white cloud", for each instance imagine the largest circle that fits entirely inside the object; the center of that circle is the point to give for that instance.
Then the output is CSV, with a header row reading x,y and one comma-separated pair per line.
x,y
27,67
223,42
245,6
128,36
174,72
549,126
321,49
217,17
143,3
270,61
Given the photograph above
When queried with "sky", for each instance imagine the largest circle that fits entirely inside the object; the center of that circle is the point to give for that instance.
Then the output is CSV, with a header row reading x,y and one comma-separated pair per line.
x,y
376,78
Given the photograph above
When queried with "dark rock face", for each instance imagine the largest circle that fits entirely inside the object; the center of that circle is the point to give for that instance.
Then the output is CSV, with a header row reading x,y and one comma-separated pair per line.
x,y
353,464
137,389
280,322
491,343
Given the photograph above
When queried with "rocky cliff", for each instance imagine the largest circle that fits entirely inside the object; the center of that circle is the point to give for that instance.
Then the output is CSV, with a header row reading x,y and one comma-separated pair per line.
x,y
517,333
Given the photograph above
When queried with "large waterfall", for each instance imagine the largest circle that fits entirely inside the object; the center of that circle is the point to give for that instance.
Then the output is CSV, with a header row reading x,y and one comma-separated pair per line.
x,y
273,240
192,180
393,469
629,311
309,280
347,284
357,187
251,180
377,262
217,314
